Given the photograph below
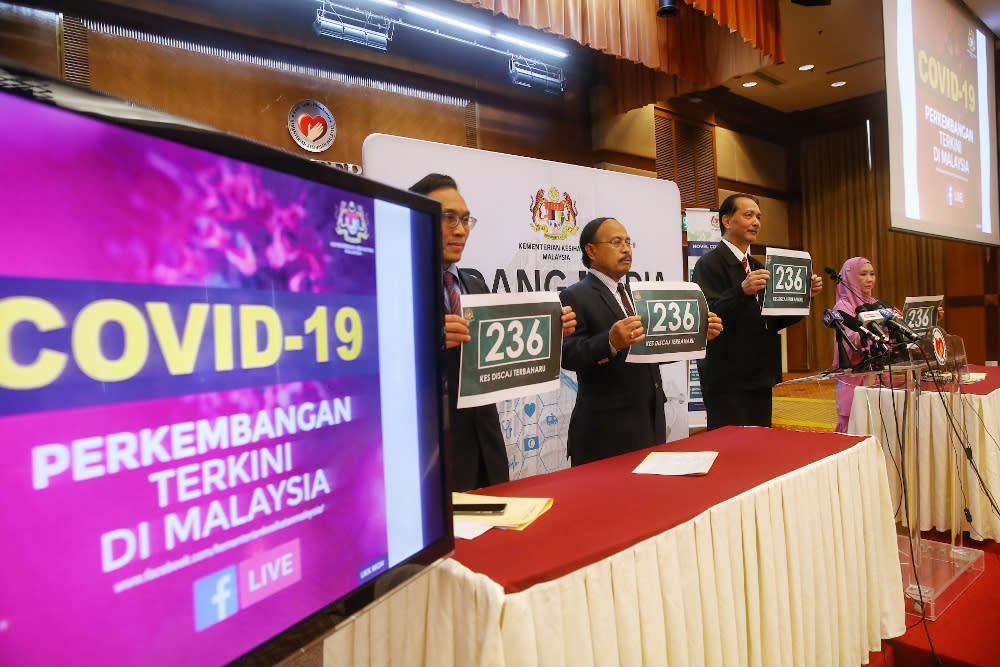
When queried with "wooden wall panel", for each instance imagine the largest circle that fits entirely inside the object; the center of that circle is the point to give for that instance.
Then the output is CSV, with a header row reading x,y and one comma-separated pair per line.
x,y
30,37
253,101
964,270
969,323
560,134
971,298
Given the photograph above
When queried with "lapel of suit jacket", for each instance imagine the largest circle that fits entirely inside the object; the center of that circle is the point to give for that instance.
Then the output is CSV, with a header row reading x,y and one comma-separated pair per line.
x,y
614,307
467,286
736,270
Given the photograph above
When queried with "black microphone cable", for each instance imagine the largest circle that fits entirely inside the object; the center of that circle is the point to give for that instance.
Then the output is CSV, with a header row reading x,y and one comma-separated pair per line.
x,y
967,407
905,482
966,449
904,488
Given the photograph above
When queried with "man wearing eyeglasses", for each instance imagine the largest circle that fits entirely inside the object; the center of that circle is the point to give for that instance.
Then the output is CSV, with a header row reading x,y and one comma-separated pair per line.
x,y
479,457
619,406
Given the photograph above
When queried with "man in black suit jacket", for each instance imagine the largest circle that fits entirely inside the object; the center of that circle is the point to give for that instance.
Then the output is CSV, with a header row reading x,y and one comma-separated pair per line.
x,y
619,406
743,364
478,452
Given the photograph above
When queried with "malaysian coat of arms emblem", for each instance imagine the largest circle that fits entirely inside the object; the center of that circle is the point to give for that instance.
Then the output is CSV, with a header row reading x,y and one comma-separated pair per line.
x,y
352,223
553,214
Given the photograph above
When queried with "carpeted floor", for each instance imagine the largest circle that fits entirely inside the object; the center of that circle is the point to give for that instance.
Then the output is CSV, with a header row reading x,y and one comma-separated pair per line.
x,y
804,406
967,634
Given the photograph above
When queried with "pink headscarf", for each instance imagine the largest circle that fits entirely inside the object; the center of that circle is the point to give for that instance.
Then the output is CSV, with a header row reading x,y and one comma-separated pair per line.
x,y
848,300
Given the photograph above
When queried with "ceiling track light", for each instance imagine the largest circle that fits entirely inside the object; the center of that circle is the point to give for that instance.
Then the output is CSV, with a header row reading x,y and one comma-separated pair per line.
x,y
536,74
667,8
353,25
366,28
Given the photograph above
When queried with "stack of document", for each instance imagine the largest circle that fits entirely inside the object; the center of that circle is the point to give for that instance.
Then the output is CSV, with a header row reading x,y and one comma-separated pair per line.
x,y
519,513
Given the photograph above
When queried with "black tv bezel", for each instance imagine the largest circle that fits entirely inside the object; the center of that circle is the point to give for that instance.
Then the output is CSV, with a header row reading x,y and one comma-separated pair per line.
x,y
24,82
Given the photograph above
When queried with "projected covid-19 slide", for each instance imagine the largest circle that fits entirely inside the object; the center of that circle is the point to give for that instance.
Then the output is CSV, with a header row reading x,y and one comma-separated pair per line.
x,y
939,73
190,413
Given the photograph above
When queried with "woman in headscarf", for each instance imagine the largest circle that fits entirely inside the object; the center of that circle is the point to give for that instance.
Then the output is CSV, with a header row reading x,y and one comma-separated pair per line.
x,y
857,280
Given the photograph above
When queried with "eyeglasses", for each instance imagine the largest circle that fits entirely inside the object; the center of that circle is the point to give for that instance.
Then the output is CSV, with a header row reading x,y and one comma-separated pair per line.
x,y
452,219
618,243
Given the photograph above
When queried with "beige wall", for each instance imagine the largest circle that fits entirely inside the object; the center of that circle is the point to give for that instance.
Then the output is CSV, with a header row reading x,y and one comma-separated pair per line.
x,y
750,160
773,220
632,133
610,166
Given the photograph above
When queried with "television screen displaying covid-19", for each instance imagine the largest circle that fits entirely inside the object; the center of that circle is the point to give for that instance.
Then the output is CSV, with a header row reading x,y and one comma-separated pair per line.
x,y
219,385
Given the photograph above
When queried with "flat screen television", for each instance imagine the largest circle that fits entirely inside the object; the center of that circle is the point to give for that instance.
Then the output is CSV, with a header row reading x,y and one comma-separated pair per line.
x,y
220,385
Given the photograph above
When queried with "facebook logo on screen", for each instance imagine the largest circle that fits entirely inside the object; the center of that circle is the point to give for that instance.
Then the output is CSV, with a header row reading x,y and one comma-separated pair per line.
x,y
215,598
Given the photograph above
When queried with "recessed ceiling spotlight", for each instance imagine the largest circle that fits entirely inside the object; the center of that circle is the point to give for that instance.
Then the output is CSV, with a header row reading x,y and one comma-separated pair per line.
x,y
749,84
838,84
805,68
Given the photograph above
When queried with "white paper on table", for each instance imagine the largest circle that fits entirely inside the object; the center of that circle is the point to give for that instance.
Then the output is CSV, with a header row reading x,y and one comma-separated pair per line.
x,y
469,530
676,463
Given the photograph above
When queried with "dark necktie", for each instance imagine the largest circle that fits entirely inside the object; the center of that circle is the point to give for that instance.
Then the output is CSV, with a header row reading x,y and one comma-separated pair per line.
x,y
451,304
626,304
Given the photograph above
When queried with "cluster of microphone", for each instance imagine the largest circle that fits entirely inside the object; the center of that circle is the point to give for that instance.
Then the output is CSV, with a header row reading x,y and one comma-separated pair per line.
x,y
879,324
871,323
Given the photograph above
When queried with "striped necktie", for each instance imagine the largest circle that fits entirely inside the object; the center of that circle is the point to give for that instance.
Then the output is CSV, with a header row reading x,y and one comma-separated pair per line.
x,y
451,304
626,304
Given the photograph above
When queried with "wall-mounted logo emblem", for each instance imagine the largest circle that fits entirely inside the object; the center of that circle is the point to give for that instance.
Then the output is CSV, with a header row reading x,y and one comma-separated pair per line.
x,y
554,214
352,223
312,126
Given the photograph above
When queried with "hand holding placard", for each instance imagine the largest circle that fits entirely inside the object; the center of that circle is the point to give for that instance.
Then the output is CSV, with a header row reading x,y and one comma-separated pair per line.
x,y
675,322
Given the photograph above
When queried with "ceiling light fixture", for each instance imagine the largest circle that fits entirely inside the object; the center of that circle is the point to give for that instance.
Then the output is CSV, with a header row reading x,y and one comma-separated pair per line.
x,y
534,73
354,26
359,26
529,45
838,84
667,8
749,84
440,18
805,68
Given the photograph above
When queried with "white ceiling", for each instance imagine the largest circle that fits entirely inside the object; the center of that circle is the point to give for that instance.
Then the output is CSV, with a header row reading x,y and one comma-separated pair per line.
x,y
844,43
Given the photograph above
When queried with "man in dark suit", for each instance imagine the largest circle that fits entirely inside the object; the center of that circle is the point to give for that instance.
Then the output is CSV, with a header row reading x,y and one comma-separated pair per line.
x,y
743,364
619,406
478,453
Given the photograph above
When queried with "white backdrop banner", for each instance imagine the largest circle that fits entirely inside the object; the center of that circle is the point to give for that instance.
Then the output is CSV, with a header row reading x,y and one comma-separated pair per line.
x,y
527,239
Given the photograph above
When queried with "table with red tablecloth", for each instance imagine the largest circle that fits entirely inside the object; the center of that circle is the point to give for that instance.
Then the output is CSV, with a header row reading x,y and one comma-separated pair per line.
x,y
949,481
784,554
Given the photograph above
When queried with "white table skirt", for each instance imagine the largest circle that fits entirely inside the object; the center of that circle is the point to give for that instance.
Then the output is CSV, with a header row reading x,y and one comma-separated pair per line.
x,y
947,481
802,570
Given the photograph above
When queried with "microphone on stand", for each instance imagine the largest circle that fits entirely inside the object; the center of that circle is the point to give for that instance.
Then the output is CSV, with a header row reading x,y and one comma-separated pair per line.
x,y
871,319
833,320
854,324
895,322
